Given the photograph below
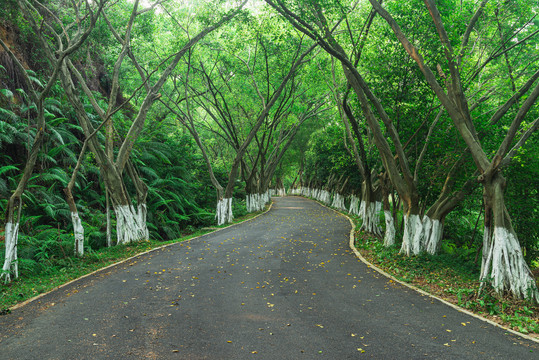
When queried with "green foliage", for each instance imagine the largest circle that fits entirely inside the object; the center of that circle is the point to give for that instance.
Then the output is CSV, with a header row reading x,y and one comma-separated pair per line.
x,y
327,155
522,198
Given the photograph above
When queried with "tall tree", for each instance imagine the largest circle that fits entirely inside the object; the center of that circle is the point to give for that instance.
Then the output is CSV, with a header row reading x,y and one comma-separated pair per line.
x,y
65,40
503,263
130,221
239,110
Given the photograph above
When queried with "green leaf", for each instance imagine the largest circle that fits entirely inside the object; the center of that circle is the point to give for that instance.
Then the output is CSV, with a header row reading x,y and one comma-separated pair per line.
x,y
7,168
7,93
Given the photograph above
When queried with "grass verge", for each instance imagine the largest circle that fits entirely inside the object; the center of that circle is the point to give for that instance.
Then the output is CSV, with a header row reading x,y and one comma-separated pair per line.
x,y
62,270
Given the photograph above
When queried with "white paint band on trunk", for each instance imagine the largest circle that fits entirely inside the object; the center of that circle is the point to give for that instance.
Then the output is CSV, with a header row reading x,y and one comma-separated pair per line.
x,y
354,205
130,226
78,232
389,236
10,270
506,265
413,234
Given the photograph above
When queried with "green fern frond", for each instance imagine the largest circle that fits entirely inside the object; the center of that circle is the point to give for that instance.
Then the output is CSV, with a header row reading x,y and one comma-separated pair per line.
x,y
54,106
64,132
22,94
27,108
46,158
8,115
56,136
7,93
7,168
148,172
58,175
33,78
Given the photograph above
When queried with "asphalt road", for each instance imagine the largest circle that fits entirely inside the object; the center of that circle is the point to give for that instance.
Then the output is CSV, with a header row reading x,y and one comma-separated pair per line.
x,y
282,286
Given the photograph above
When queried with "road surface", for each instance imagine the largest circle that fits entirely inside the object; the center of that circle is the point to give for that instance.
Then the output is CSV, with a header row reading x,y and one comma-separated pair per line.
x,y
282,286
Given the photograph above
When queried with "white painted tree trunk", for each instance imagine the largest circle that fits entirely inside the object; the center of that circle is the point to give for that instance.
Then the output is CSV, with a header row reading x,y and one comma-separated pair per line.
x,y
251,202
109,228
267,198
354,205
389,236
325,197
371,217
338,202
224,211
362,209
433,230
130,223
10,270
257,202
504,264
281,192
413,235
78,232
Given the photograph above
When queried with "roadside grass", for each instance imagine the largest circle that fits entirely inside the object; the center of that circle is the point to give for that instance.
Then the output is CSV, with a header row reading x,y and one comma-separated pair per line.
x,y
56,271
453,276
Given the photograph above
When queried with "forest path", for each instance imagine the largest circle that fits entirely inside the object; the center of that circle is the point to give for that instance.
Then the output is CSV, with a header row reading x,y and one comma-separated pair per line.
x,y
282,286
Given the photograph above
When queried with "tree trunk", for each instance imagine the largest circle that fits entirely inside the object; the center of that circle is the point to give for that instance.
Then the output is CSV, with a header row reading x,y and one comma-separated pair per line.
x,y
78,229
433,231
224,211
338,202
389,234
354,205
369,209
14,206
503,264
338,199
279,187
11,266
109,220
412,240
130,220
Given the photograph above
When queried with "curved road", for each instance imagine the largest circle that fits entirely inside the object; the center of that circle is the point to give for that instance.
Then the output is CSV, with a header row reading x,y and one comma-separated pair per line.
x,y
282,286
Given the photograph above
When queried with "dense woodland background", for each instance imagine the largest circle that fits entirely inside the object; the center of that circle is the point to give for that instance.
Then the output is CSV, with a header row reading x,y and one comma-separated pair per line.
x,y
185,104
